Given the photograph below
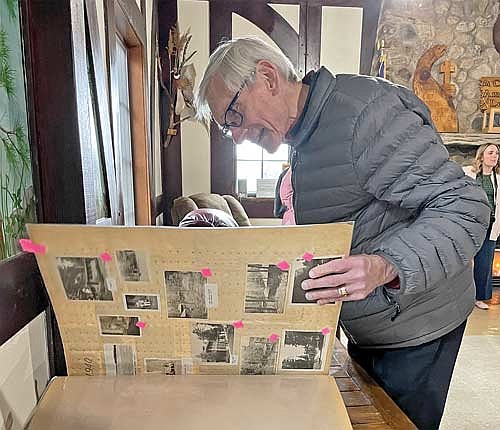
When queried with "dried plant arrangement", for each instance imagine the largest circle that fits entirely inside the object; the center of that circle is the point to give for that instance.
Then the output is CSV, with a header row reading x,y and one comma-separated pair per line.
x,y
179,86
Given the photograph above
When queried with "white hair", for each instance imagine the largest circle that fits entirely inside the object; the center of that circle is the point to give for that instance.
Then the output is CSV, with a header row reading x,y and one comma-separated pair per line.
x,y
235,62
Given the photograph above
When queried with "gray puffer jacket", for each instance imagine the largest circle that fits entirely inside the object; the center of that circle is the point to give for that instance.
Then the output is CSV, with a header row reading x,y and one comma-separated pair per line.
x,y
365,150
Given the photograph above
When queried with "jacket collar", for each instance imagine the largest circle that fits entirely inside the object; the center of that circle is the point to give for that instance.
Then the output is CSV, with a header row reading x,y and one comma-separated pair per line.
x,y
321,85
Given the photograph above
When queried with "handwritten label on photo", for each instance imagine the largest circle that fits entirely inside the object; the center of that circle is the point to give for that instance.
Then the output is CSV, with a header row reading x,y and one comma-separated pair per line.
x,y
211,296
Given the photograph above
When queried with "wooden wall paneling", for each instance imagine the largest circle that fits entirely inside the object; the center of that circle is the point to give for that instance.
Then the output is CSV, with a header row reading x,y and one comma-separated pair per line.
x,y
171,158
103,107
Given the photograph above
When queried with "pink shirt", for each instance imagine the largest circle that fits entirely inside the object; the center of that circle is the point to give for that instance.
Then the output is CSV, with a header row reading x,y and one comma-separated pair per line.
x,y
286,196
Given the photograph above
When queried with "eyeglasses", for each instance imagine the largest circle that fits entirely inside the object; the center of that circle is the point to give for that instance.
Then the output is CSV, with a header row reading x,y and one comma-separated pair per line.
x,y
233,118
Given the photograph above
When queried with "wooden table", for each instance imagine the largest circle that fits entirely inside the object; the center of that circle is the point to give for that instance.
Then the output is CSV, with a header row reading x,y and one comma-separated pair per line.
x,y
368,406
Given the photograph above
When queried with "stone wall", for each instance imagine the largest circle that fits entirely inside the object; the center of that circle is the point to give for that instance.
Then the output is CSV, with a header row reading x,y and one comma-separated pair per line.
x,y
410,27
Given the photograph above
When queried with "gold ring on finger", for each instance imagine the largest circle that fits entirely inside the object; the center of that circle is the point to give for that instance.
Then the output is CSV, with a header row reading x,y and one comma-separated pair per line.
x,y
343,292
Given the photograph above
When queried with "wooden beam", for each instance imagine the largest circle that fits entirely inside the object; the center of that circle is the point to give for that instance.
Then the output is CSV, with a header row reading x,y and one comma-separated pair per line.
x,y
313,37
222,151
171,158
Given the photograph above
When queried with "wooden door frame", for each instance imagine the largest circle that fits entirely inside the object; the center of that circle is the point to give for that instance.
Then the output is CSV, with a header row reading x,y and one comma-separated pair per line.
x,y
125,18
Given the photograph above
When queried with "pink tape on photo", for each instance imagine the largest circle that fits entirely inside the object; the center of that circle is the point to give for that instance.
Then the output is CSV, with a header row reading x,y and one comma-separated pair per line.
x,y
273,338
308,256
106,257
283,265
206,272
29,246
140,324
325,331
238,324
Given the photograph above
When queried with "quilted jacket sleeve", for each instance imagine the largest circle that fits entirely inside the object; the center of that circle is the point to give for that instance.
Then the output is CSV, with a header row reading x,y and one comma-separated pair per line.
x,y
399,158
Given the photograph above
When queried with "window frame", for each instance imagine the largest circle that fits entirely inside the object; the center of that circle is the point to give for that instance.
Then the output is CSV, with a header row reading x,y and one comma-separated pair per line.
x,y
124,18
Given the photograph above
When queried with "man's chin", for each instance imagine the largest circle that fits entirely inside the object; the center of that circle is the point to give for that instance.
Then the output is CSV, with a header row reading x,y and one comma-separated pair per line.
x,y
269,144
267,141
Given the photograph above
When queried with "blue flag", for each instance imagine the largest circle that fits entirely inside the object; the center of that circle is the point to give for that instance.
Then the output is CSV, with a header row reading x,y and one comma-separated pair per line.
x,y
382,60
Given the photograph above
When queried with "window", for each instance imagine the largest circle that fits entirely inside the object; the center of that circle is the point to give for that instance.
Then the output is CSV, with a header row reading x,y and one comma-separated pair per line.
x,y
253,163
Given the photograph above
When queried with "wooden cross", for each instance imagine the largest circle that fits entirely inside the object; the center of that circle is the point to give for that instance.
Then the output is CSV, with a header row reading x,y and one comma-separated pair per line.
x,y
447,68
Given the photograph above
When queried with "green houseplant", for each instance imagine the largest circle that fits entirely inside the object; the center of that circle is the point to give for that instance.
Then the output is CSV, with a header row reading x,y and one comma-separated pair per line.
x,y
16,195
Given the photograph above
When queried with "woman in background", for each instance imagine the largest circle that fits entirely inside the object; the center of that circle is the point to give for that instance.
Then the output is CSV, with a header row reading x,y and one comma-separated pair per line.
x,y
485,171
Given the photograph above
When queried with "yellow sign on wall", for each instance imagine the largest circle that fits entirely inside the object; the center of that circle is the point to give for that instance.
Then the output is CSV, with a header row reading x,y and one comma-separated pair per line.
x,y
489,87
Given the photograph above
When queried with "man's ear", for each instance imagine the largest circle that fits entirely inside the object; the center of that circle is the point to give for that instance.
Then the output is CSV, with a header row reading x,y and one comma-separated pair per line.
x,y
270,74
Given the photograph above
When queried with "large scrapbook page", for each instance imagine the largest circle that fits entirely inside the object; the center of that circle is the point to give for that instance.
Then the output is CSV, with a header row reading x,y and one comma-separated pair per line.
x,y
166,300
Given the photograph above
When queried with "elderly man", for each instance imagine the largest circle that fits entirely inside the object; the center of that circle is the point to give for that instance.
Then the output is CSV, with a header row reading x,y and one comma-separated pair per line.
x,y
366,150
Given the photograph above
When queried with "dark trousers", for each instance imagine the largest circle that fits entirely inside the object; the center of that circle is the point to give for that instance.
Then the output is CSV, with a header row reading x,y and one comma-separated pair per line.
x,y
417,378
483,262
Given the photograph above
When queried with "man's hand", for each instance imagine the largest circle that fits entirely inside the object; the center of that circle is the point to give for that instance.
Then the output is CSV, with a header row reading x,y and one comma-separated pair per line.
x,y
350,278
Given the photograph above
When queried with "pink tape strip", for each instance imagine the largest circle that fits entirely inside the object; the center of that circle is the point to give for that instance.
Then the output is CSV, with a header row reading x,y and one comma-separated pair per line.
x,y
106,257
238,324
273,338
325,331
140,324
308,256
29,246
206,272
283,265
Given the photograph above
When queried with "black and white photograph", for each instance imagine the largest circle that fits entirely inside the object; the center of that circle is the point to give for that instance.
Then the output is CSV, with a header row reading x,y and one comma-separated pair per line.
x,y
186,295
118,325
163,366
258,356
132,265
142,302
83,278
212,343
301,273
119,359
303,350
265,291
